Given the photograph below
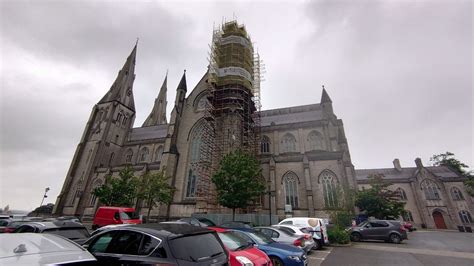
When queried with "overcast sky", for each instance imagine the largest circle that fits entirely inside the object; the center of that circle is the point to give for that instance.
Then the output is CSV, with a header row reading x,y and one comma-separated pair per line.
x,y
399,73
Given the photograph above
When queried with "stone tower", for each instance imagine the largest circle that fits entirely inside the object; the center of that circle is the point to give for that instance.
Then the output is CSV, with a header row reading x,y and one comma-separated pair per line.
x,y
105,133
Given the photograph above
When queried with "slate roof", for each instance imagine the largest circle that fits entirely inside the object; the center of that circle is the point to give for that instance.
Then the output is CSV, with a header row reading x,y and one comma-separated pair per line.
x,y
441,172
144,133
290,115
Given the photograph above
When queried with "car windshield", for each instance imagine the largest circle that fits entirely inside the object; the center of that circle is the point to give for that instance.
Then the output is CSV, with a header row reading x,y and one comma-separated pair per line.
x,y
129,216
233,241
196,247
261,238
70,233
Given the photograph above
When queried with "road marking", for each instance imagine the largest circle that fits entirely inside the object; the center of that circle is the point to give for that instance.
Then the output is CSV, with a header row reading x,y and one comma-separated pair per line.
x,y
318,256
443,253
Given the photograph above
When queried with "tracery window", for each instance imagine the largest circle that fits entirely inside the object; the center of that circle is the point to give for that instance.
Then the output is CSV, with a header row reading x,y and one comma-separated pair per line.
x,y
290,181
401,193
288,143
199,157
158,153
315,141
93,198
144,154
265,145
465,217
329,183
128,156
430,189
456,194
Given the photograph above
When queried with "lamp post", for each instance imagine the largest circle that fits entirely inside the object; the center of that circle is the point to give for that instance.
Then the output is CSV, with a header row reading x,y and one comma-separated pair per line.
x,y
44,196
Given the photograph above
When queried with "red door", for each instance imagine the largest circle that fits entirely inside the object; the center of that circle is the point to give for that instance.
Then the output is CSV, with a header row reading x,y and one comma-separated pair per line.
x,y
439,220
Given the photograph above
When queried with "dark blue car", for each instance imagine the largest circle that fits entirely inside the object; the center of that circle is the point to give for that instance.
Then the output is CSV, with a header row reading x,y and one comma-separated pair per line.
x,y
280,254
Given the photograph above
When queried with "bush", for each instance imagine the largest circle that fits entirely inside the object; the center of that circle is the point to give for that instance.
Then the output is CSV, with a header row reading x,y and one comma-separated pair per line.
x,y
338,235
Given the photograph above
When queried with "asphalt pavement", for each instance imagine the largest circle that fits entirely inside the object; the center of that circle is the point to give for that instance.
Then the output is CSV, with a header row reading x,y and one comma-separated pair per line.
x,y
422,248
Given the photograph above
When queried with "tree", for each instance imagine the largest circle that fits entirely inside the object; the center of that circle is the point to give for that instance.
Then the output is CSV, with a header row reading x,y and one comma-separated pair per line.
x,y
119,191
154,189
42,210
447,159
378,201
238,180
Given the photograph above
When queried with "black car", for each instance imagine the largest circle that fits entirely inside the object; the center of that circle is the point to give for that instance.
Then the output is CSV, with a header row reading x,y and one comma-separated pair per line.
x,y
76,232
164,243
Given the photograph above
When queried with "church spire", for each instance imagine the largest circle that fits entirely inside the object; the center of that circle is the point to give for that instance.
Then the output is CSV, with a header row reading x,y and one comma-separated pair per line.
x,y
325,97
122,88
181,93
158,113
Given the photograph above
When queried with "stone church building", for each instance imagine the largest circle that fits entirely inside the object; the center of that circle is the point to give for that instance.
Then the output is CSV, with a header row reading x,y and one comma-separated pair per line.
x,y
303,149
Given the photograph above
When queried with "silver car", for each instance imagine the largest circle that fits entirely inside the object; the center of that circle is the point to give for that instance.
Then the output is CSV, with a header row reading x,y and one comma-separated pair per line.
x,y
302,241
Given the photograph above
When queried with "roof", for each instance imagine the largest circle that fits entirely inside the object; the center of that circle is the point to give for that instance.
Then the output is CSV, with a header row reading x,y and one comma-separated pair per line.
x,y
290,115
55,224
152,132
441,172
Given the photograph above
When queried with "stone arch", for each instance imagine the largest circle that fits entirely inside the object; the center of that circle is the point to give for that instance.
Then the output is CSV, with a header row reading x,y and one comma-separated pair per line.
x,y
288,173
456,193
158,153
290,183
439,218
265,144
288,143
315,141
330,185
431,189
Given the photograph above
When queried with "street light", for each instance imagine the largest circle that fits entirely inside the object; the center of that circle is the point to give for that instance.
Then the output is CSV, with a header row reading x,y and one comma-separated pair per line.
x,y
44,196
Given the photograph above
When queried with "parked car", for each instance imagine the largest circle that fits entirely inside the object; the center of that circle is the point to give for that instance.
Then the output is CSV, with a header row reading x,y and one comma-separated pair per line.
x,y
316,225
11,226
241,252
409,226
280,254
206,221
115,215
387,230
303,231
289,236
42,249
76,232
161,244
237,225
192,221
103,228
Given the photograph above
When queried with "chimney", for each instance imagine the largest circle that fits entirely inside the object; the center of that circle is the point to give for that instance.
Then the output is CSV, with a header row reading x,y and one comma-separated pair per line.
x,y
396,164
418,163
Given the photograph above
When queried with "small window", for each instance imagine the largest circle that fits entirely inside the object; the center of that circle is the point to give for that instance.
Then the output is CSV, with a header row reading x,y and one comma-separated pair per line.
x,y
465,217
25,229
116,216
287,222
401,193
101,244
128,242
265,145
275,234
408,217
457,194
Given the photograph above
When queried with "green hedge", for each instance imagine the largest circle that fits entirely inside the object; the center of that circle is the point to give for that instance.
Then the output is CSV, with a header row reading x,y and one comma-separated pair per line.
x,y
338,235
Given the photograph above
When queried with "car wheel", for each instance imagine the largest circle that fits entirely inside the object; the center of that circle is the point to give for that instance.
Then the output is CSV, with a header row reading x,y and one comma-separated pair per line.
x,y
276,261
355,237
317,244
394,238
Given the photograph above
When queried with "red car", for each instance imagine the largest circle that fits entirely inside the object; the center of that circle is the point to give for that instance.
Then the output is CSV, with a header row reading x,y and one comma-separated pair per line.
x,y
115,215
240,251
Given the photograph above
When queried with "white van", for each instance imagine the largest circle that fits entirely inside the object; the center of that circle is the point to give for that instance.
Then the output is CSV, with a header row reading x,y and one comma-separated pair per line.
x,y
317,225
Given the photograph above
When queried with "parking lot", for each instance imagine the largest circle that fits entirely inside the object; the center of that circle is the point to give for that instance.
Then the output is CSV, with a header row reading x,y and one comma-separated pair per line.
x,y
421,248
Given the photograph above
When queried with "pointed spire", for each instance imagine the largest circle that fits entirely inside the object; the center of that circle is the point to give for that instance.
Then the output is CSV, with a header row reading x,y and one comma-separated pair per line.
x,y
182,83
325,97
122,89
158,113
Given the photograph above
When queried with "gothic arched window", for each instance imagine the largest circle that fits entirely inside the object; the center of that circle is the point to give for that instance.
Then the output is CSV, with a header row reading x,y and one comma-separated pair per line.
x,y
401,193
456,194
329,182
143,154
265,145
199,157
315,141
465,217
290,180
128,156
158,153
431,190
93,198
288,143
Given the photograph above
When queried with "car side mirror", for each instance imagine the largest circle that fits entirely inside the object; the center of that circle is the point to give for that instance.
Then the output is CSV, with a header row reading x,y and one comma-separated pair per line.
x,y
367,226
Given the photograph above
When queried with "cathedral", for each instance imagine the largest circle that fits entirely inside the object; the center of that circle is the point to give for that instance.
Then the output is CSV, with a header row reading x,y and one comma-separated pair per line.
x,y
303,150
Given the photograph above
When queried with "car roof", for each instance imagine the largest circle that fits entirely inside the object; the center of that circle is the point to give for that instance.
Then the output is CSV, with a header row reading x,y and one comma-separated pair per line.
x,y
170,230
55,224
35,243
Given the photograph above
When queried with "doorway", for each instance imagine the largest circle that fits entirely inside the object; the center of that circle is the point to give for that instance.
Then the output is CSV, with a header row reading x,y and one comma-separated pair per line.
x,y
439,220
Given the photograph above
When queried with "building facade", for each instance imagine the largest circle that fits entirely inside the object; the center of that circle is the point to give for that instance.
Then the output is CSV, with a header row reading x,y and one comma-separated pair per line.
x,y
303,150
434,196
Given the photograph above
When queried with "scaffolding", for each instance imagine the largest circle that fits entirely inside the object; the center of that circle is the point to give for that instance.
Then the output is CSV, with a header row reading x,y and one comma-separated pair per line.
x,y
232,114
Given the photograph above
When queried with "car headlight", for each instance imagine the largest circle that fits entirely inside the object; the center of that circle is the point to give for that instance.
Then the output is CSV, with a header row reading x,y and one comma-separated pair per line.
x,y
244,261
295,258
